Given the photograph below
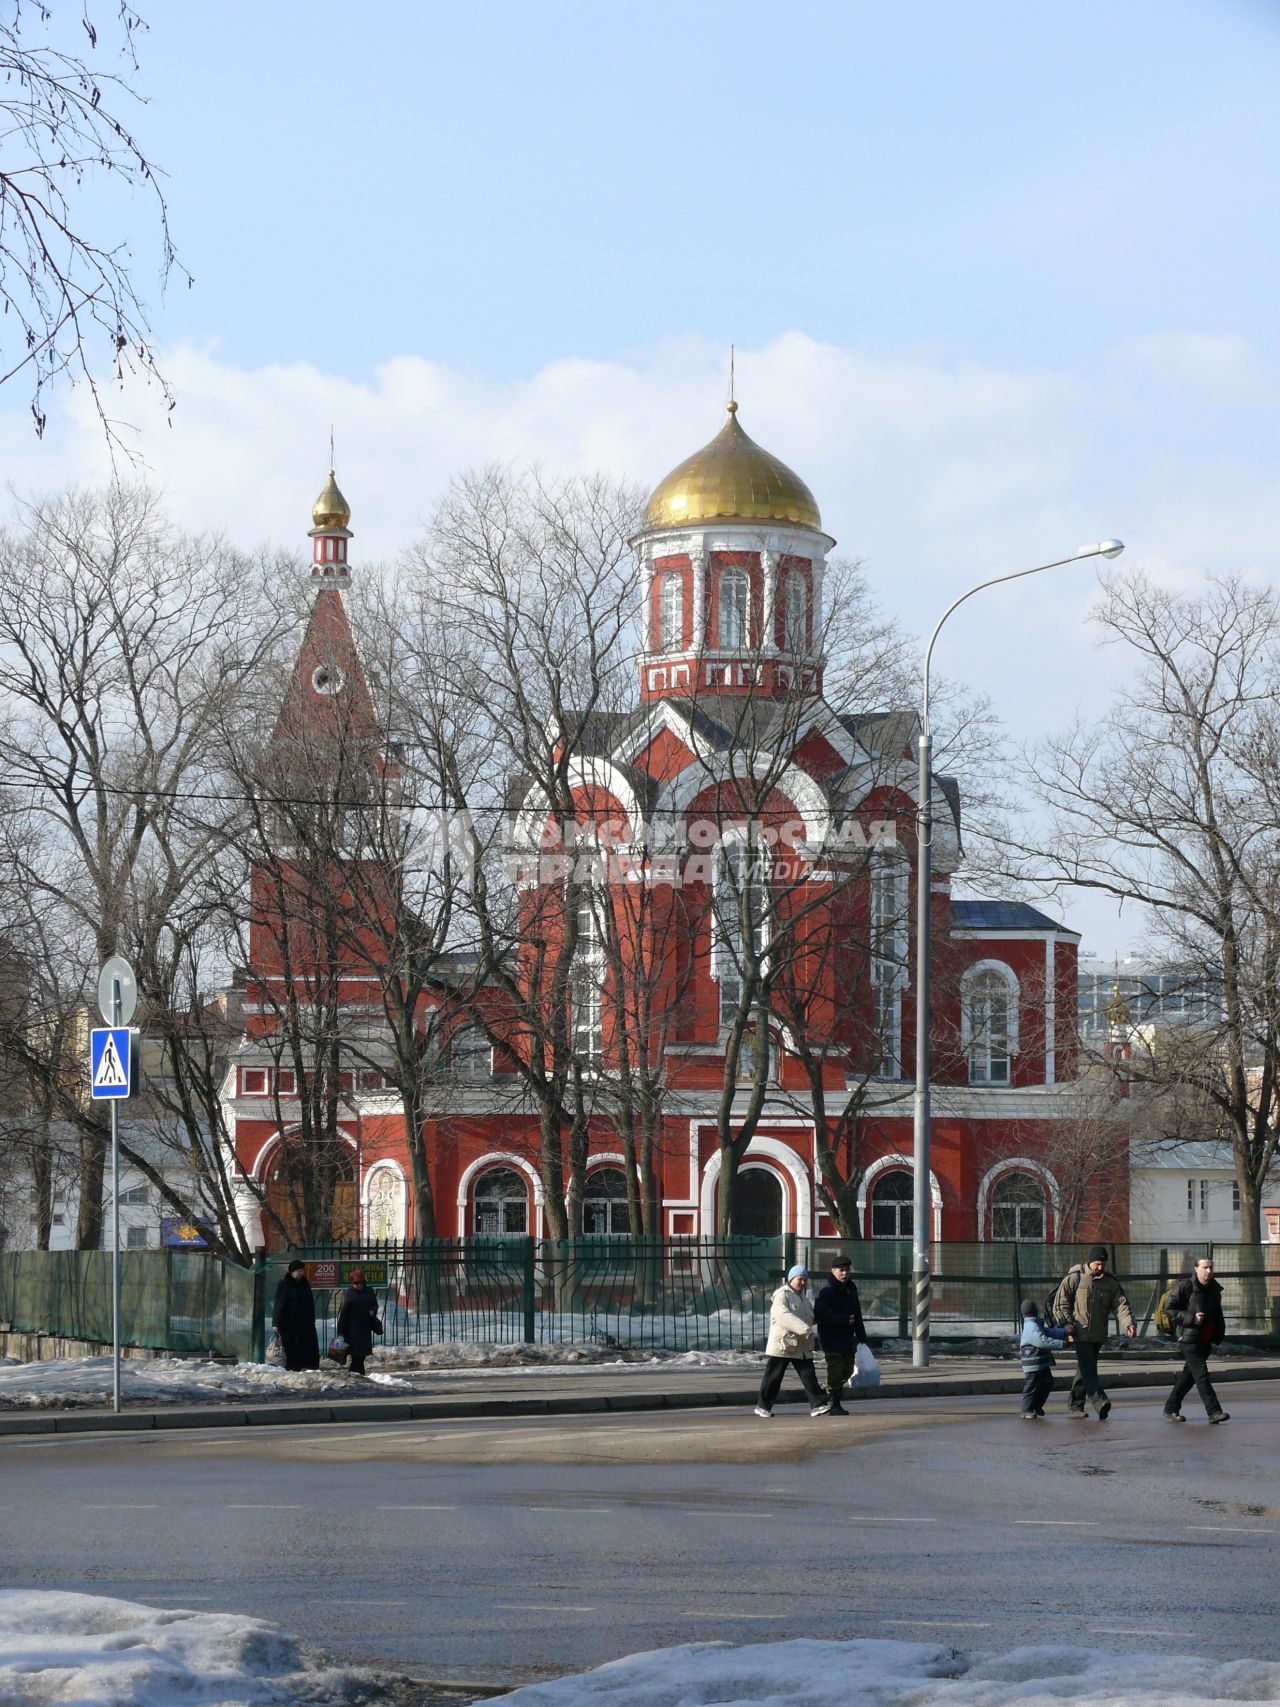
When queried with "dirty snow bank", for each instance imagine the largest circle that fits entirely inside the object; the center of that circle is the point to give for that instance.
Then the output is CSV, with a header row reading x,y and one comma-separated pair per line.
x,y
96,1652
903,1674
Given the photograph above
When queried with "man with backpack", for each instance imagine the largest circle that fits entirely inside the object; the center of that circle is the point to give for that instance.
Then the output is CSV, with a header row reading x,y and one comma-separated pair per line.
x,y
1194,1308
1087,1297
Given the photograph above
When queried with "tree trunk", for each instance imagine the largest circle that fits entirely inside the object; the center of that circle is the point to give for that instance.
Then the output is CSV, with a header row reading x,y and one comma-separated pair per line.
x,y
93,1166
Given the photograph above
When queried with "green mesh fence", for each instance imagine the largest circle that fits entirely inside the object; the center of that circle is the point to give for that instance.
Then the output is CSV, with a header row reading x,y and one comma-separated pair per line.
x,y
169,1300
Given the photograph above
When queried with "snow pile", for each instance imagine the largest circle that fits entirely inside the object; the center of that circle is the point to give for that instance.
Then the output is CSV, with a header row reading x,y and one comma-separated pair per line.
x,y
68,1382
460,1356
902,1674
96,1652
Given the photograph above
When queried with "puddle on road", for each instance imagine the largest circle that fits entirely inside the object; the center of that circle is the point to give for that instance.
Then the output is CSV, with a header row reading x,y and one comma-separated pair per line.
x,y
1239,1508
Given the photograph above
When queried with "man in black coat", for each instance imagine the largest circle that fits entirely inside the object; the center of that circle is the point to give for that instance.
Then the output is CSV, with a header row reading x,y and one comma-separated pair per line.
x,y
840,1329
358,1320
1195,1308
293,1316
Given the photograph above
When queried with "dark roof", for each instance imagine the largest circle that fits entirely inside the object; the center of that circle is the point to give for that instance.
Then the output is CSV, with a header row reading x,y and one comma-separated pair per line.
x,y
1001,916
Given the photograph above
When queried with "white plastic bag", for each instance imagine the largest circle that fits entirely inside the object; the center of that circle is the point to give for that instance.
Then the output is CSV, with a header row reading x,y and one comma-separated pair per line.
x,y
274,1354
866,1371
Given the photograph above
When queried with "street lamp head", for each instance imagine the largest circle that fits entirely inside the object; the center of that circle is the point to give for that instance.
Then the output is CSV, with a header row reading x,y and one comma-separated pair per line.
x,y
1104,548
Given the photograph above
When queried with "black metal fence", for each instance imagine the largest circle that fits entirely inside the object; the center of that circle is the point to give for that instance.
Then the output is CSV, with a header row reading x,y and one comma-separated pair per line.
x,y
714,1294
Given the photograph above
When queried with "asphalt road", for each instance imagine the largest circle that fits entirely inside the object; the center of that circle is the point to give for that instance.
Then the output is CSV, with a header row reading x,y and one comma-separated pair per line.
x,y
508,1551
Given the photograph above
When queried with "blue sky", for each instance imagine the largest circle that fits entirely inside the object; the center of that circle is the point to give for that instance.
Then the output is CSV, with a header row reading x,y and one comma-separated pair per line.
x,y
1002,278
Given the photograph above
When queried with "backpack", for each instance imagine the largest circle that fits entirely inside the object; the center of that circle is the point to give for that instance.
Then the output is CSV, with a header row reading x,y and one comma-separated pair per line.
x,y
1161,1317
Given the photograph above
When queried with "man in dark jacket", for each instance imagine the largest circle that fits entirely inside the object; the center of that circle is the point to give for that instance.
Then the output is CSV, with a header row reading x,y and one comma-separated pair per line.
x,y
840,1329
358,1320
293,1316
1195,1309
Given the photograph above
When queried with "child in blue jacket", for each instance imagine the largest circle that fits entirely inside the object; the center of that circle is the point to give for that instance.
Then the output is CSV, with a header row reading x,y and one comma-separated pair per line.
x,y
1036,1348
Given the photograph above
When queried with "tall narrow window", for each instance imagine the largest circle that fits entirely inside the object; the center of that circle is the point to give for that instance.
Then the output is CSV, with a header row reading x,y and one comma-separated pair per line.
x,y
733,608
586,983
990,1001
738,925
888,964
795,613
671,613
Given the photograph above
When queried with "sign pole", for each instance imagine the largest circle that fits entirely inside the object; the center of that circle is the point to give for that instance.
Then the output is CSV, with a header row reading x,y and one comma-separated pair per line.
x,y
111,1064
115,1222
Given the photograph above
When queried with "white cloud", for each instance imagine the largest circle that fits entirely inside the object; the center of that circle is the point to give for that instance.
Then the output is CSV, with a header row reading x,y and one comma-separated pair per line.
x,y
938,471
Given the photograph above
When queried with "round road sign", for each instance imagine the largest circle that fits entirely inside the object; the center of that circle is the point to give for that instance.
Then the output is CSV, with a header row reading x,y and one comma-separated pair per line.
x,y
117,973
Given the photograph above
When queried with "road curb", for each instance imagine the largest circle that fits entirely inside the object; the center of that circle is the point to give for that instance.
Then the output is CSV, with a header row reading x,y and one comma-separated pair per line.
x,y
566,1405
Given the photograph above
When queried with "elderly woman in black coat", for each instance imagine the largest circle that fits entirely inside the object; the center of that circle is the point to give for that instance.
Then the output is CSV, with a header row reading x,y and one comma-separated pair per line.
x,y
358,1320
293,1316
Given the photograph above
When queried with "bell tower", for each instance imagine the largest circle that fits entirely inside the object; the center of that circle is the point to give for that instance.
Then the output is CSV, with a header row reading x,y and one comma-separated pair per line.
x,y
732,553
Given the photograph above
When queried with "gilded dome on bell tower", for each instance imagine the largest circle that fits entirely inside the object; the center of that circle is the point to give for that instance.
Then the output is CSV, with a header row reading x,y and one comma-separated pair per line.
x,y
731,479
331,509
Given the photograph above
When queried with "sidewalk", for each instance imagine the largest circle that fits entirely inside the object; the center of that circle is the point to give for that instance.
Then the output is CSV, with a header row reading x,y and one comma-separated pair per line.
x,y
612,1389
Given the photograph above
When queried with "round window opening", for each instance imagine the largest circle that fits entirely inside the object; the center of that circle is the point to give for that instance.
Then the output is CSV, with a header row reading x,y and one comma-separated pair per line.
x,y
328,679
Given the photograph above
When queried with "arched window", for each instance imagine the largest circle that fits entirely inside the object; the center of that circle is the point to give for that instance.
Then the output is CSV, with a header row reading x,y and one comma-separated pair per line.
x,y
604,1204
990,1011
502,1203
757,1203
1017,1209
733,609
892,1206
671,613
795,613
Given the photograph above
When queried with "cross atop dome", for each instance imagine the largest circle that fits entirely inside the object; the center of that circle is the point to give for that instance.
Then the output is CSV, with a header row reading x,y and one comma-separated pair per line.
x,y
329,534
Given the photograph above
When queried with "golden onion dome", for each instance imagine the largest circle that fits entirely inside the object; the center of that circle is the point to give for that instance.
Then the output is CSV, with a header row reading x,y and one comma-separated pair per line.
x,y
1117,1008
331,509
731,478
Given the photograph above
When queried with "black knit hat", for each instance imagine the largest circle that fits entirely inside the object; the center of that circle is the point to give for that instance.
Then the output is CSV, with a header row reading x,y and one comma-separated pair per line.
x,y
1097,1253
297,1265
1030,1307
840,1260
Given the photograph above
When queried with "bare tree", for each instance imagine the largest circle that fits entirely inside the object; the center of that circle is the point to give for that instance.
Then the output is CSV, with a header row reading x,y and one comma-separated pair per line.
x,y
531,586
71,298
119,641
1170,801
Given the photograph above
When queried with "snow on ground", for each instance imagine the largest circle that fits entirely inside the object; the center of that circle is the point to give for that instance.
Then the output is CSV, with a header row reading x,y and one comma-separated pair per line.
x,y
67,1382
902,1674
95,1652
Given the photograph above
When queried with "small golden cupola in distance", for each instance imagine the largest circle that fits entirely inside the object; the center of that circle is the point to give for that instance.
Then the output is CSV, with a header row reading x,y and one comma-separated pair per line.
x,y
329,533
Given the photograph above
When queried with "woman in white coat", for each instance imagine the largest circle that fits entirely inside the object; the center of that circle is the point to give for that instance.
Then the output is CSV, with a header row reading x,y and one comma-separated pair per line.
x,y
791,1335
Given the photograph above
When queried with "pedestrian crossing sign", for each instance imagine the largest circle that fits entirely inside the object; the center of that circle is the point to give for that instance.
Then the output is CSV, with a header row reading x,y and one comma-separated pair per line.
x,y
110,1062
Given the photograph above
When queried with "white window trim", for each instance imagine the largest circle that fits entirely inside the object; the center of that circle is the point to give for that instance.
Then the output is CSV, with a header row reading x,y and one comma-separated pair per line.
x,y
499,1159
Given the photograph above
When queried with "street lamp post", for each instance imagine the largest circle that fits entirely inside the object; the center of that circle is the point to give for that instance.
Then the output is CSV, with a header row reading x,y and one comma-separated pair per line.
x,y
922,1213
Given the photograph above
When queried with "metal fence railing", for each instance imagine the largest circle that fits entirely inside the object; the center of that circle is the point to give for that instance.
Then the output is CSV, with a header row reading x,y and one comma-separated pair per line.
x,y
171,1300
643,1294
709,1294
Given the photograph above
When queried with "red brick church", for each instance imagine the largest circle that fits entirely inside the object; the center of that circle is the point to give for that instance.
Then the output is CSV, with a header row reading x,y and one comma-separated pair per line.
x,y
731,557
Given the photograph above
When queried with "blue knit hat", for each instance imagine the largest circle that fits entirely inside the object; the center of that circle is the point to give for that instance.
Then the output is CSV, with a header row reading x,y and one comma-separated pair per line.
x,y
797,1269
